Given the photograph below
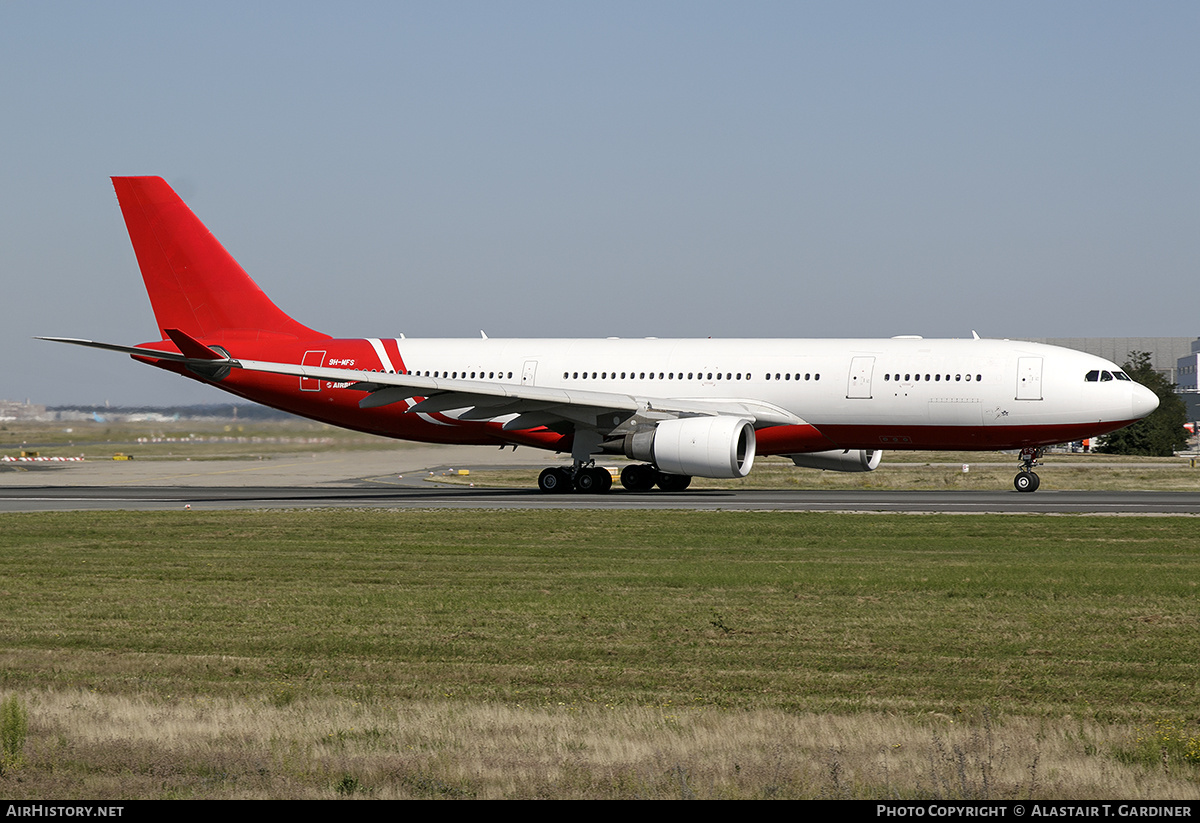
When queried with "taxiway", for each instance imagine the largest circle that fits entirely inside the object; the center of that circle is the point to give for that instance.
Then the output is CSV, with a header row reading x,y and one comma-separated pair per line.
x,y
401,478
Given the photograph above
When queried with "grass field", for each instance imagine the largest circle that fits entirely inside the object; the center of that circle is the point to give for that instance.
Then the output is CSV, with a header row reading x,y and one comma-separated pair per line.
x,y
600,654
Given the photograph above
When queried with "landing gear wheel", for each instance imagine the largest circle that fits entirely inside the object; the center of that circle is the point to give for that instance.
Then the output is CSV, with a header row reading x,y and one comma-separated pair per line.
x,y
638,477
606,480
593,480
673,482
1027,481
554,481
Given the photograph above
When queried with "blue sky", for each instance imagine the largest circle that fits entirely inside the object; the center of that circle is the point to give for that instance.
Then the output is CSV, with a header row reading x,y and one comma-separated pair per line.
x,y
591,169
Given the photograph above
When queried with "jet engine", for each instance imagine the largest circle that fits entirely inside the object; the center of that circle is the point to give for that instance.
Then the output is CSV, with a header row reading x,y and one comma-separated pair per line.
x,y
840,460
720,446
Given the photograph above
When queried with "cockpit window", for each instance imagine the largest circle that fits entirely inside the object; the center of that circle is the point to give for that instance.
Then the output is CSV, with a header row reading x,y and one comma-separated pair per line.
x,y
1092,376
1120,375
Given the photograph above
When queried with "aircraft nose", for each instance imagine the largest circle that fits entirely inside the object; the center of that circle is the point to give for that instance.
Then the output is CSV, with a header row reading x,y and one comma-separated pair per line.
x,y
1144,401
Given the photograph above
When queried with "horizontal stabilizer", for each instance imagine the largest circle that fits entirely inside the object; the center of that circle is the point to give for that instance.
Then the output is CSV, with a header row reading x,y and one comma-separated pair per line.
x,y
138,351
193,348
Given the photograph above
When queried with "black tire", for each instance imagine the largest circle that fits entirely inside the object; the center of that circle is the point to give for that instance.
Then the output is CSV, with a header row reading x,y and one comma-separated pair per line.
x,y
554,481
673,482
1026,481
606,481
594,480
638,477
586,481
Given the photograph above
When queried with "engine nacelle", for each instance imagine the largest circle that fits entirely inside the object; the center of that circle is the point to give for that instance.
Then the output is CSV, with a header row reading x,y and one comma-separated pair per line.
x,y
720,446
840,460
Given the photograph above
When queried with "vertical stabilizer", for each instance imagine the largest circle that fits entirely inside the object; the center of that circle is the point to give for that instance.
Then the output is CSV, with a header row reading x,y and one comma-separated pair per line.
x,y
194,284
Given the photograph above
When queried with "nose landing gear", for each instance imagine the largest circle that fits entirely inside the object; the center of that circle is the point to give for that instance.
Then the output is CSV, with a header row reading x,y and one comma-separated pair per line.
x,y
1026,479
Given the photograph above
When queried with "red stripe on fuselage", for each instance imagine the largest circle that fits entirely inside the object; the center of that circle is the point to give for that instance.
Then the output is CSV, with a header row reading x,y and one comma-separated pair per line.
x,y
392,347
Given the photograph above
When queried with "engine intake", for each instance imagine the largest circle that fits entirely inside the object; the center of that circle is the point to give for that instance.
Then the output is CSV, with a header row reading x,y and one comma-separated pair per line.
x,y
840,460
720,446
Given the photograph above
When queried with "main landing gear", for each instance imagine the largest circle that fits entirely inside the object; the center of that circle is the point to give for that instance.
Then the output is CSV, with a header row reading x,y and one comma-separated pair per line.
x,y
585,479
1026,479
642,477
592,479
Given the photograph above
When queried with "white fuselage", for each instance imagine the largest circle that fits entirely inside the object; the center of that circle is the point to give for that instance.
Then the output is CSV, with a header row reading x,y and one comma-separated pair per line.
x,y
840,386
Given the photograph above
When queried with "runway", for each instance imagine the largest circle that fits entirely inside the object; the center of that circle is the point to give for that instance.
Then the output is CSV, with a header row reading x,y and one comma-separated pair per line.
x,y
137,498
400,478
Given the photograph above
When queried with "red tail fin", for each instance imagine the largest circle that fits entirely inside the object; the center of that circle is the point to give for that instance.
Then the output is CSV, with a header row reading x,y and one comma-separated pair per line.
x,y
194,284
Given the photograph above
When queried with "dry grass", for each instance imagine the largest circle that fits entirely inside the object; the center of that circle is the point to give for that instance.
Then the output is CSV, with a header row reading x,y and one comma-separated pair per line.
x,y
925,471
87,745
183,439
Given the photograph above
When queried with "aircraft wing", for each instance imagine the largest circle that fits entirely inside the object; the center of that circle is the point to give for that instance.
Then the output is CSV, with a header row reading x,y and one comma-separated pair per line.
x,y
533,406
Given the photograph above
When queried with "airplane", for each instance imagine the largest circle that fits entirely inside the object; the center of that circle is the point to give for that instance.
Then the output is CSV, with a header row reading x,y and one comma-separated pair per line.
x,y
682,408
